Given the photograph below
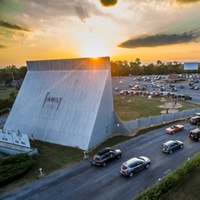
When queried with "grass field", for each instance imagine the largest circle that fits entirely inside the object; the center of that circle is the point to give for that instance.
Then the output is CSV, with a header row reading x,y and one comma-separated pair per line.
x,y
135,107
54,157
5,92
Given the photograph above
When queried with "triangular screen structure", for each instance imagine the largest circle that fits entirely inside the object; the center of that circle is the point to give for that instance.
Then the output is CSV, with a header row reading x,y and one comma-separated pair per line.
x,y
67,102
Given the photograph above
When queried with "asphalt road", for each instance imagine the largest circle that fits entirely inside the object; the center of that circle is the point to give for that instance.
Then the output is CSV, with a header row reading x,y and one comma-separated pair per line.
x,y
82,181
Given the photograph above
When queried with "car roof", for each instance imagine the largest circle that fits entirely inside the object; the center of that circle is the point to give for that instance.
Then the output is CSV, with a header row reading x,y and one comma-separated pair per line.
x,y
195,117
195,130
169,142
102,151
132,160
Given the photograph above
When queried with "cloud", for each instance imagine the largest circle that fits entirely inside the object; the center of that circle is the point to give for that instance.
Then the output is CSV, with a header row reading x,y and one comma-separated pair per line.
x,y
108,3
159,40
81,11
14,26
2,46
187,1
2,33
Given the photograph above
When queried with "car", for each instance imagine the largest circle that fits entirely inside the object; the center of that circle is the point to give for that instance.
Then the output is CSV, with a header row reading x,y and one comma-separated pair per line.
x,y
194,120
105,155
171,145
195,134
133,165
175,128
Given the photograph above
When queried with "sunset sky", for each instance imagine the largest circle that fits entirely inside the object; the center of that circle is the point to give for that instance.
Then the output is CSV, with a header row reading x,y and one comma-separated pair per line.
x,y
151,30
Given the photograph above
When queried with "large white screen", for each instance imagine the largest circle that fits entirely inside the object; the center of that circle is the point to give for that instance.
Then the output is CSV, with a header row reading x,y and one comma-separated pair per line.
x,y
191,66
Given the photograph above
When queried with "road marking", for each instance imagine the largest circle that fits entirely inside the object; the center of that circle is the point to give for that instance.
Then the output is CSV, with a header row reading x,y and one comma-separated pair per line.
x,y
167,172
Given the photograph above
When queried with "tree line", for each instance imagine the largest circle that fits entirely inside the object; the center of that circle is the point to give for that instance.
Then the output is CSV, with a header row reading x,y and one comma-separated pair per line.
x,y
118,68
9,73
124,68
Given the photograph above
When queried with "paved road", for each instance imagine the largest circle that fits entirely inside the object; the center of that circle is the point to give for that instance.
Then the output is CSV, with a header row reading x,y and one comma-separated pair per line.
x,y
82,181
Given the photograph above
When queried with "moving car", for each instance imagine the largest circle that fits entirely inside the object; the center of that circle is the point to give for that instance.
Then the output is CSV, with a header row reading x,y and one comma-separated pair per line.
x,y
195,134
105,155
130,167
194,120
175,128
171,145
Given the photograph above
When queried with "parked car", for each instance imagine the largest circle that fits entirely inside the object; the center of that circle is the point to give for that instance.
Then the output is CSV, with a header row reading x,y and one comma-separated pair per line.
x,y
184,97
171,145
195,134
194,120
133,165
105,155
175,128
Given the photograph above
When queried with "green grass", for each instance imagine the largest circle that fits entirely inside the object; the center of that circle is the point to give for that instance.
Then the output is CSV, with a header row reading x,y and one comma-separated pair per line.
x,y
187,189
135,107
5,92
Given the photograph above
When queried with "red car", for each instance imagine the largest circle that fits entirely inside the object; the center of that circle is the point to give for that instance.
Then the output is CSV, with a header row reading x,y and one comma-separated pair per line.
x,y
175,128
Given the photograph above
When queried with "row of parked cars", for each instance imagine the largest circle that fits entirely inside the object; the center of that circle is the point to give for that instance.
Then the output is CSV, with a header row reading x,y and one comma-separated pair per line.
x,y
156,94
135,164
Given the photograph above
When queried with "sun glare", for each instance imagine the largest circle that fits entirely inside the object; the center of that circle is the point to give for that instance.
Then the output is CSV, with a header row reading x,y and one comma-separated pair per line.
x,y
94,47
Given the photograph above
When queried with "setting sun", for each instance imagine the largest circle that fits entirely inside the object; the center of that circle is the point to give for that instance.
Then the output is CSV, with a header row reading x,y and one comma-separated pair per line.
x,y
93,47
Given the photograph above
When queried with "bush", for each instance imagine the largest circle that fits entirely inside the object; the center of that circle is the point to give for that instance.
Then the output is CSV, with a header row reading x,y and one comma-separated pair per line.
x,y
14,167
170,181
3,111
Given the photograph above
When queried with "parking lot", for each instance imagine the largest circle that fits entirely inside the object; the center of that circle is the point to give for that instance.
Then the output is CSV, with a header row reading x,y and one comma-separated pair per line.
x,y
154,86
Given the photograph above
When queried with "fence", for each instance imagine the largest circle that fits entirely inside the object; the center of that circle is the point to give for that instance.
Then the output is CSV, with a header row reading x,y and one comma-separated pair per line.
x,y
128,126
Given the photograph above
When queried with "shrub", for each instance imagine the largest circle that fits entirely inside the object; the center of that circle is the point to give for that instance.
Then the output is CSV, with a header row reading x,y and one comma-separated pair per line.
x,y
170,181
14,167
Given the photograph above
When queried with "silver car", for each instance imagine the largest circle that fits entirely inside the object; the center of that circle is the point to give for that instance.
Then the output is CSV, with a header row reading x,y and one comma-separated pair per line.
x,y
130,167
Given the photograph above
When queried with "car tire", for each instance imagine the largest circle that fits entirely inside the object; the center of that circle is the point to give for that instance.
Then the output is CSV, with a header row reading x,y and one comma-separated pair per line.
x,y
131,174
104,164
119,156
170,152
147,165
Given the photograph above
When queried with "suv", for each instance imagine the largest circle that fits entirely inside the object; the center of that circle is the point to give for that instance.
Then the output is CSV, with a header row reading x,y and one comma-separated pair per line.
x,y
195,134
130,167
171,145
195,120
105,155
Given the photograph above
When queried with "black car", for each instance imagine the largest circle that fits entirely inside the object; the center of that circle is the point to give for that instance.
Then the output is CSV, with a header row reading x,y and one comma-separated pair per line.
x,y
195,120
171,145
195,134
105,155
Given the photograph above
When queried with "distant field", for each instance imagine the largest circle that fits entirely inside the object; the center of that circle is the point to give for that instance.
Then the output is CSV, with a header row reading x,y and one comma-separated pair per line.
x,y
135,107
5,92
